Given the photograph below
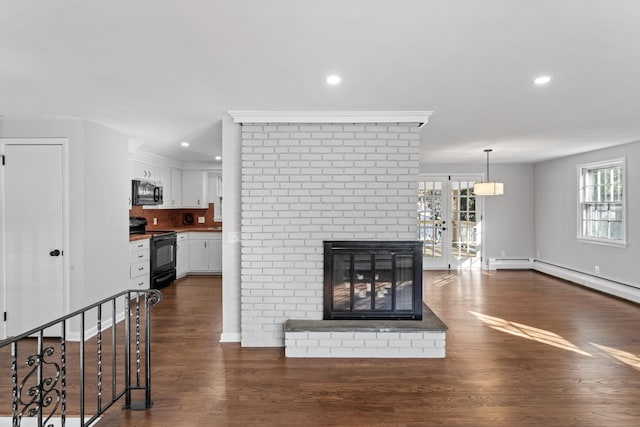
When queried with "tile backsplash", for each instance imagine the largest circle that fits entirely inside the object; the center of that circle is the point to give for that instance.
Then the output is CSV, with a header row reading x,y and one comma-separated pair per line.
x,y
171,218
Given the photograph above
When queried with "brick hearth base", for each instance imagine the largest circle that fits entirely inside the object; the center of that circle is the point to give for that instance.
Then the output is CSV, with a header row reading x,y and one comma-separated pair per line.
x,y
367,338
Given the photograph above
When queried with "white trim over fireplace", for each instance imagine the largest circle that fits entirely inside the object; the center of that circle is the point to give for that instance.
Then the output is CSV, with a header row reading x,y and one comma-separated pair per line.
x,y
421,117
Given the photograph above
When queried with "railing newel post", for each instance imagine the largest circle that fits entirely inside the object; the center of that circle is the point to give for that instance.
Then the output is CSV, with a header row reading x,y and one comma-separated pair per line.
x,y
148,402
127,350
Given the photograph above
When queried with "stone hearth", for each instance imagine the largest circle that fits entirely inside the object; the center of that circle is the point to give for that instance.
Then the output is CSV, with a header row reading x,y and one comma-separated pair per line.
x,y
367,338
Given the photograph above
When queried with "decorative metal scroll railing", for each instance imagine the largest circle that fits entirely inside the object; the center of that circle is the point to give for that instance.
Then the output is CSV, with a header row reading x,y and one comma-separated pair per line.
x,y
52,374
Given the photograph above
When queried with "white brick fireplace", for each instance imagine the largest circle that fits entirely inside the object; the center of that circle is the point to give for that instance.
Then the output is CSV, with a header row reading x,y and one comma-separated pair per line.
x,y
310,177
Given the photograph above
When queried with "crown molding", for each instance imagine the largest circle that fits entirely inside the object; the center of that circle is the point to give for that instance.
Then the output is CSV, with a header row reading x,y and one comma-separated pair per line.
x,y
420,117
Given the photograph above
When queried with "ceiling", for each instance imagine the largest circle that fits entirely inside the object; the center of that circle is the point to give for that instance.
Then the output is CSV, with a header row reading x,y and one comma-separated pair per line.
x,y
166,71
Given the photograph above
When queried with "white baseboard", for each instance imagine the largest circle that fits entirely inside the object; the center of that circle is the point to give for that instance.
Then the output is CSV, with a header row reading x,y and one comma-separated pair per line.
x,y
620,290
510,263
231,337
93,331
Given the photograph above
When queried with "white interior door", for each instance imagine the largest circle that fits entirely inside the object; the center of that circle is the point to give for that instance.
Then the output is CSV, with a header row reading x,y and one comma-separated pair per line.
x,y
32,221
448,222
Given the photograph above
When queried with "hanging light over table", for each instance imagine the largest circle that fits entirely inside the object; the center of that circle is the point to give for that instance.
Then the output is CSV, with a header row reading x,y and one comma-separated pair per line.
x,y
488,188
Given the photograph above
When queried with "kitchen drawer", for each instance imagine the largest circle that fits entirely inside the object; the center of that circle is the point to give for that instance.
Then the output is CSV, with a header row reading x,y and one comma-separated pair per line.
x,y
141,282
139,245
138,256
139,269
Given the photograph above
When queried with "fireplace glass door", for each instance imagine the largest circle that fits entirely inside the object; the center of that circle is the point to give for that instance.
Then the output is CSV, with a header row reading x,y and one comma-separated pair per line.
x,y
373,282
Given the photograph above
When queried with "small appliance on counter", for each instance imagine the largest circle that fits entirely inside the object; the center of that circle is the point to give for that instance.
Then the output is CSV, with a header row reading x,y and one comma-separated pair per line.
x,y
137,225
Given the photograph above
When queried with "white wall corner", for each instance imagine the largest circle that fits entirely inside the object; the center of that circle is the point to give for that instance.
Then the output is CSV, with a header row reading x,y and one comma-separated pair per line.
x,y
230,337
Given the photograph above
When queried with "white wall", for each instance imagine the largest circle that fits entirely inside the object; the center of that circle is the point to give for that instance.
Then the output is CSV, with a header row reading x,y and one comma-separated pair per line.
x,y
231,179
508,219
97,205
105,204
556,217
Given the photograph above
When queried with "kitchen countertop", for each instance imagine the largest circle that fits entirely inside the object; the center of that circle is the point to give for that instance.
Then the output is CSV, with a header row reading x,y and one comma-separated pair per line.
x,y
184,229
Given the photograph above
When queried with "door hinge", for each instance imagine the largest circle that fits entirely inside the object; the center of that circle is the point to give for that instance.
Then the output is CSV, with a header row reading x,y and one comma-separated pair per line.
x,y
2,159
5,316
449,177
449,266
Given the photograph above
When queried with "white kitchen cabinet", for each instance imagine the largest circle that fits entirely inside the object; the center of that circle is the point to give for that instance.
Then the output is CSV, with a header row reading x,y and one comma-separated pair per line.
x,y
139,264
205,252
176,188
182,257
143,170
195,189
164,178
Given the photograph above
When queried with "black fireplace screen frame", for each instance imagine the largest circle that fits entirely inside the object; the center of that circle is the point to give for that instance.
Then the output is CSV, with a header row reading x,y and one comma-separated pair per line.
x,y
392,252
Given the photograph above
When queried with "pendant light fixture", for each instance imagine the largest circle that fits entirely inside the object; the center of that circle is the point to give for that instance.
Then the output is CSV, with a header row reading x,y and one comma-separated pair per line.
x,y
488,188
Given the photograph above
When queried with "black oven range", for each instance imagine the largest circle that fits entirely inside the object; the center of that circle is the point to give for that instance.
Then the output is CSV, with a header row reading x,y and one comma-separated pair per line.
x,y
162,247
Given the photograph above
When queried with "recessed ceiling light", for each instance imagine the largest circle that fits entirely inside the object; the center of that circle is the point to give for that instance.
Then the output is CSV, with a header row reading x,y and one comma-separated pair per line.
x,y
218,158
542,80
184,143
333,79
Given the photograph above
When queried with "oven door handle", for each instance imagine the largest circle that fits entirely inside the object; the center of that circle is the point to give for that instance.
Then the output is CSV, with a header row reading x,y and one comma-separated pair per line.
x,y
157,239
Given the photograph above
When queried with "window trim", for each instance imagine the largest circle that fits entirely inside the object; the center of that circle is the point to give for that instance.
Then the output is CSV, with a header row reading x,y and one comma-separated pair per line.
x,y
599,240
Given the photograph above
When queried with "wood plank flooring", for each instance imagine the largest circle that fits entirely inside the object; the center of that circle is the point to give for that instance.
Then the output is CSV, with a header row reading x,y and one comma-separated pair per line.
x,y
523,349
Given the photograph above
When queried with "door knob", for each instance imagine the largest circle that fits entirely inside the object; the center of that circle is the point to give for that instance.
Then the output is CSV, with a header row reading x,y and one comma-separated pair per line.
x,y
55,252
444,228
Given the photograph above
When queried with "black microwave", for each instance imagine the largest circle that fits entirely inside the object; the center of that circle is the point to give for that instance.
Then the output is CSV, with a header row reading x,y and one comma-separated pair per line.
x,y
145,193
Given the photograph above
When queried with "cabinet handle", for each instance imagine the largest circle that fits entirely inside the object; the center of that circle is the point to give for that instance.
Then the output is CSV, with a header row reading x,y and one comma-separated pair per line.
x,y
141,268
141,283
140,256
205,243
198,202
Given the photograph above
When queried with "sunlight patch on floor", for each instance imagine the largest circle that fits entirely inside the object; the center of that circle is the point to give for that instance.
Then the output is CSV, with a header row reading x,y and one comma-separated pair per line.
x,y
444,280
622,356
528,332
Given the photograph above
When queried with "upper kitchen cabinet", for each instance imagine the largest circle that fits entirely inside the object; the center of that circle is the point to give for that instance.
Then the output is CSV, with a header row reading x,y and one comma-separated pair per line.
x,y
195,189
142,170
176,188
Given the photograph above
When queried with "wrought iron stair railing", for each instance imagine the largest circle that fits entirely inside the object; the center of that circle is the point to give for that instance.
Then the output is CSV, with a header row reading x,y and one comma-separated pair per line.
x,y
54,378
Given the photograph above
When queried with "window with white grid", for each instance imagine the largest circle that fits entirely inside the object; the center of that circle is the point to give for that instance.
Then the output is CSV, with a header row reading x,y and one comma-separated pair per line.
x,y
601,202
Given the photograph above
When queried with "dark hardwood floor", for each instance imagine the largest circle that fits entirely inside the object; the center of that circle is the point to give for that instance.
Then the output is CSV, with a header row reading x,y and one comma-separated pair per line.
x,y
522,349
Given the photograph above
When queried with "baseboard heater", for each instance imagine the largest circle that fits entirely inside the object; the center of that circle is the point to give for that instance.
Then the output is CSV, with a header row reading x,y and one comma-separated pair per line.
x,y
510,263
608,286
